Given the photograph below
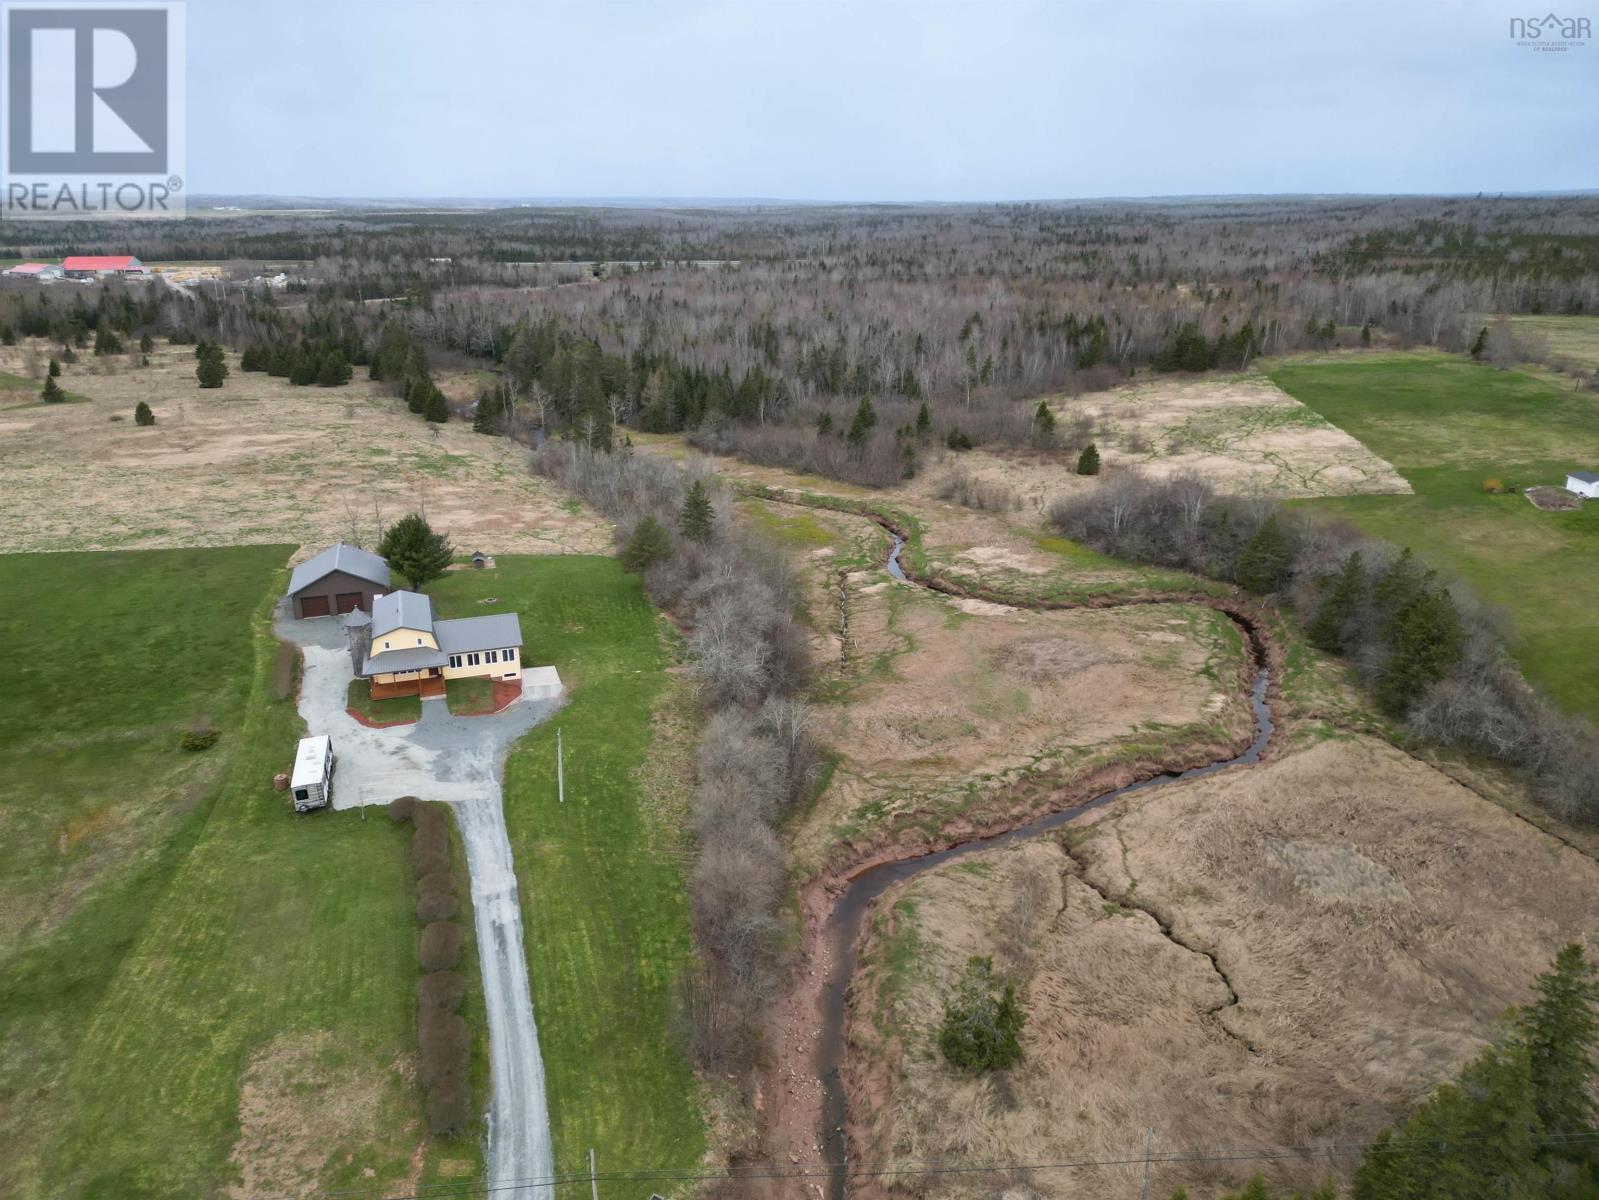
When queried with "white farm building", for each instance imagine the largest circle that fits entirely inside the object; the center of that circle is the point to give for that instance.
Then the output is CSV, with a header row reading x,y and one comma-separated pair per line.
x,y
1584,484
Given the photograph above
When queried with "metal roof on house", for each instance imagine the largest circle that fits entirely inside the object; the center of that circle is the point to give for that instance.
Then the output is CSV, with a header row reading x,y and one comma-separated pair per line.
x,y
1584,476
401,610
412,659
352,560
27,269
494,632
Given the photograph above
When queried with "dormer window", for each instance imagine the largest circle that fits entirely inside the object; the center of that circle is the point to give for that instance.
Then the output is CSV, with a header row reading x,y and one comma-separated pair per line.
x,y
418,641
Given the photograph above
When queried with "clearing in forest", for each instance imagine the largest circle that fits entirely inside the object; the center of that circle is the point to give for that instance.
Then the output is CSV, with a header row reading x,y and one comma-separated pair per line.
x,y
1450,425
257,460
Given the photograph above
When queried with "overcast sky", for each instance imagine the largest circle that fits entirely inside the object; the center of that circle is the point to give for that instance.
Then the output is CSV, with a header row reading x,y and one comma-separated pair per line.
x,y
904,100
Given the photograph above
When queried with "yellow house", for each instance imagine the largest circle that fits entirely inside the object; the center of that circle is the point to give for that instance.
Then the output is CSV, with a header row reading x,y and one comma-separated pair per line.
x,y
409,653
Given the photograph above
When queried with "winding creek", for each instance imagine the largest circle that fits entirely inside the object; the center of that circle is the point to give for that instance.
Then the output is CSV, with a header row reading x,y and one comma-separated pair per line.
x,y
843,928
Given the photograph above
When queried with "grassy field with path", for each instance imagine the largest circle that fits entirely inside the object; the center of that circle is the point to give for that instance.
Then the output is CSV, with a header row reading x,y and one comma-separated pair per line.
x,y
196,986
1449,424
601,876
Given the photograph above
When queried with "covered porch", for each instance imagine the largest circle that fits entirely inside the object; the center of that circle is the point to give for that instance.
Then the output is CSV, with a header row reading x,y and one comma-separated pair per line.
x,y
427,682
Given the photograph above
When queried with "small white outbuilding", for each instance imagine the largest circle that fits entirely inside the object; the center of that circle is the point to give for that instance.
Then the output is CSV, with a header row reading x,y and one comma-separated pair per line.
x,y
1584,484
311,785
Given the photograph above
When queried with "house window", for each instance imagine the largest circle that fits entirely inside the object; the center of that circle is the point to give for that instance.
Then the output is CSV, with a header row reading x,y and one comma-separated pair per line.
x,y
418,641
509,655
455,660
491,656
385,643
473,660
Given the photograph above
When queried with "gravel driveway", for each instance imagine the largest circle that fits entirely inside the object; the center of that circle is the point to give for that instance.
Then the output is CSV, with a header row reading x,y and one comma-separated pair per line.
x,y
459,760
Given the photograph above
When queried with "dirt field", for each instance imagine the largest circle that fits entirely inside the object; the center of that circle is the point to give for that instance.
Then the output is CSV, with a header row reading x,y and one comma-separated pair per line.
x,y
1369,921
255,461
1242,433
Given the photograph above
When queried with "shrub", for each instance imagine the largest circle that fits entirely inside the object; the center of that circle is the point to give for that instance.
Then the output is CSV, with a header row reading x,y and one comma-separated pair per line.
x,y
1493,487
428,855
449,1107
956,440
443,1042
435,897
649,545
200,739
439,991
980,1027
970,492
401,809
440,947
142,414
52,394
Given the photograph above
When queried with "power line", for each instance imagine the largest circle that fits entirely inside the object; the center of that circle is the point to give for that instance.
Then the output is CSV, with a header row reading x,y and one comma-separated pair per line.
x,y
822,1169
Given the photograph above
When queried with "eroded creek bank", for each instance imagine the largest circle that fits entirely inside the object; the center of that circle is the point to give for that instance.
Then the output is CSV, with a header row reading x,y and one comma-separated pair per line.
x,y
836,907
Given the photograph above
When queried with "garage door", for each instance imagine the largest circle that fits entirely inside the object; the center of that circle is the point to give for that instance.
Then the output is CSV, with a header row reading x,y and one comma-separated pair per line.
x,y
313,606
348,601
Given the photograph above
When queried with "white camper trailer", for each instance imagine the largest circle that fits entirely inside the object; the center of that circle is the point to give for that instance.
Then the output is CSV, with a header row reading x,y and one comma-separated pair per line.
x,y
312,783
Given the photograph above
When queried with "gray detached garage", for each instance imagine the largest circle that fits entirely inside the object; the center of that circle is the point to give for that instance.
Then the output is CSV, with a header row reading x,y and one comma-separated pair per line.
x,y
341,579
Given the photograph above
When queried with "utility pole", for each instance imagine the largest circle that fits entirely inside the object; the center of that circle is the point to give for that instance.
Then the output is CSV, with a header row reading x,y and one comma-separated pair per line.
x,y
560,773
594,1184
1149,1151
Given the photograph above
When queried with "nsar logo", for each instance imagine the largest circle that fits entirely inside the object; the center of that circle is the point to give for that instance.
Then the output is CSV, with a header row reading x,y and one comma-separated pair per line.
x,y
1550,32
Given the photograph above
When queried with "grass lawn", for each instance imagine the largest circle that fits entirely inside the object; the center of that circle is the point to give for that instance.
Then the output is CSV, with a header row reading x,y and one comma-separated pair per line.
x,y
601,876
1447,424
395,711
170,927
469,696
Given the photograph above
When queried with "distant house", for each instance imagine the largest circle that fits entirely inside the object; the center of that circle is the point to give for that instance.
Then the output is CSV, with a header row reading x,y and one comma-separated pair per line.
x,y
1584,483
341,579
93,266
410,653
35,271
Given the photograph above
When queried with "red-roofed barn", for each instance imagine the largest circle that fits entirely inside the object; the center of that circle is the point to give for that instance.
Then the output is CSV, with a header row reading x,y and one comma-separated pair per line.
x,y
88,266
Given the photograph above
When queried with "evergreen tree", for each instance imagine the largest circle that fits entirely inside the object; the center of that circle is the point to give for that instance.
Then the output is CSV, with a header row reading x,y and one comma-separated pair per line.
x,y
142,414
52,393
146,344
212,368
305,369
860,429
924,419
436,409
824,424
105,340
1402,582
1088,460
1473,1140
1043,423
1480,345
1263,565
956,440
281,362
493,410
1341,600
1425,641
54,370
334,371
1561,1030
649,545
697,521
1365,334
414,551
980,1028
